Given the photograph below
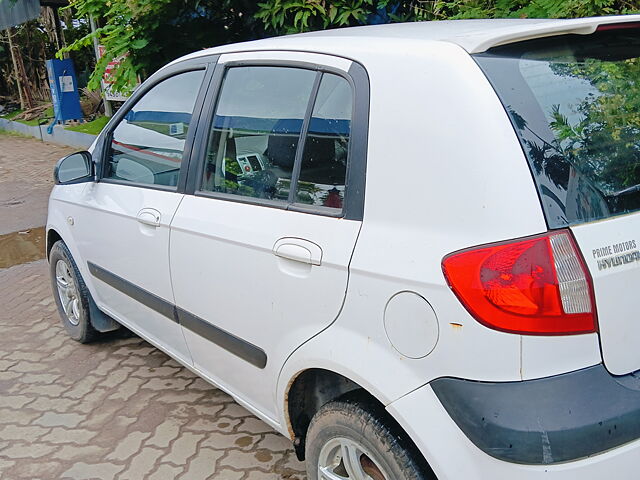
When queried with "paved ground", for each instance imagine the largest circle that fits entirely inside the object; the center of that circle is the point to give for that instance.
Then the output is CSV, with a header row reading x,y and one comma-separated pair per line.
x,y
117,409
26,177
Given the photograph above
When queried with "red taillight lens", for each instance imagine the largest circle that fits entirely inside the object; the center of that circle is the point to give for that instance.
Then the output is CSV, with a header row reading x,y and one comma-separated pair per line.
x,y
535,286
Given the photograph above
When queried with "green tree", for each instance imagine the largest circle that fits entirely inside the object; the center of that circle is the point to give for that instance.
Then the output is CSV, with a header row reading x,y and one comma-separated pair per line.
x,y
149,33
146,34
289,16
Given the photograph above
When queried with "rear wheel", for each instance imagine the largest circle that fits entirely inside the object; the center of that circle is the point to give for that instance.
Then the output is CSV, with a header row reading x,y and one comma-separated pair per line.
x,y
348,440
71,294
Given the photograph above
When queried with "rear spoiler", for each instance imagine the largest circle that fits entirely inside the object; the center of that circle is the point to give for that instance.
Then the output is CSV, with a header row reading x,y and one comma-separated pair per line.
x,y
579,26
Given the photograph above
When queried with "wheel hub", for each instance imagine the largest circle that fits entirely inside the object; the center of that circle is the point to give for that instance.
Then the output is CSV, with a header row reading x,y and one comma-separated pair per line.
x,y
68,292
346,459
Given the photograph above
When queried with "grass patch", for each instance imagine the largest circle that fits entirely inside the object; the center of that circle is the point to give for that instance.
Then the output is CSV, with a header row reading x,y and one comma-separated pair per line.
x,y
11,133
46,115
93,127
31,123
10,116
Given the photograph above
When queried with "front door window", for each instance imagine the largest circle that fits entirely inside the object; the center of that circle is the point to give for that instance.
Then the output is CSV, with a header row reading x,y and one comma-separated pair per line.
x,y
148,144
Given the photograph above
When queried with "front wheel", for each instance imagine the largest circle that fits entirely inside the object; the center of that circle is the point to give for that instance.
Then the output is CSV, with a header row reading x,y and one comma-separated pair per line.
x,y
71,294
349,440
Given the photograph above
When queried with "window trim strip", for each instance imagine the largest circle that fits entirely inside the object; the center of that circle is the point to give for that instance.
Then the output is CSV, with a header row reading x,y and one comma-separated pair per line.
x,y
302,138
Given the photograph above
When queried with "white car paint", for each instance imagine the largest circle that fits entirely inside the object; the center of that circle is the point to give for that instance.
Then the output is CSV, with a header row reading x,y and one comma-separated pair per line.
x,y
424,85
224,269
619,328
133,251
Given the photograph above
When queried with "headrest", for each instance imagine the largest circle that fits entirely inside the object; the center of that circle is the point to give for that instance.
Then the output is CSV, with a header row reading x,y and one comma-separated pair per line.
x,y
319,151
281,149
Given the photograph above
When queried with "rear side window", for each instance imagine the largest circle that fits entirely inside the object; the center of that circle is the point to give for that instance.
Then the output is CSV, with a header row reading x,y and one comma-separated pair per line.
x,y
324,161
256,131
147,145
574,101
281,134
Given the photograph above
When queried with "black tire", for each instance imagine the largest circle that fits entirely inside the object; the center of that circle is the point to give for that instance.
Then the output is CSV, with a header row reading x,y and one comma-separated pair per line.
x,y
79,328
389,454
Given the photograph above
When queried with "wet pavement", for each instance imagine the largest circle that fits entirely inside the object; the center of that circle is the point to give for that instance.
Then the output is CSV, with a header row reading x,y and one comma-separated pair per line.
x,y
115,409
22,247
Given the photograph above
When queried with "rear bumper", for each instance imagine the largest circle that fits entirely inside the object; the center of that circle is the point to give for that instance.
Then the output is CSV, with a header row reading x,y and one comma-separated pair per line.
x,y
551,420
578,425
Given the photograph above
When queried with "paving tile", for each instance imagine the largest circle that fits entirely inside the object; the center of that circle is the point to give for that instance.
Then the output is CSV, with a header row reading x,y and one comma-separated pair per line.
x,y
53,419
142,464
203,466
165,472
128,446
86,471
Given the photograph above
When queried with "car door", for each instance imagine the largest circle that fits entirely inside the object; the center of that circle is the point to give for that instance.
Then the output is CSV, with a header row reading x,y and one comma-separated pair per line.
x,y
124,231
260,253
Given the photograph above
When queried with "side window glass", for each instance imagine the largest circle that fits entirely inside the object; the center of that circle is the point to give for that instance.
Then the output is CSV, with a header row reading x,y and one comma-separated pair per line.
x,y
324,162
147,145
255,131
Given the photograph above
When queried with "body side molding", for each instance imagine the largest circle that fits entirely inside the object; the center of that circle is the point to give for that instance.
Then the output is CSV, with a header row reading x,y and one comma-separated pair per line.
x,y
235,345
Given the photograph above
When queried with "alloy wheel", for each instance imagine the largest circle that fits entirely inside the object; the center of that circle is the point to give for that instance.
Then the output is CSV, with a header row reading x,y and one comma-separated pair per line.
x,y
68,292
345,459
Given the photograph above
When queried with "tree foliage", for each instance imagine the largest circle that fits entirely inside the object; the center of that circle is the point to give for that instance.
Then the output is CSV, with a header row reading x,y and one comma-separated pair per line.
x,y
146,34
289,16
603,140
149,33
34,43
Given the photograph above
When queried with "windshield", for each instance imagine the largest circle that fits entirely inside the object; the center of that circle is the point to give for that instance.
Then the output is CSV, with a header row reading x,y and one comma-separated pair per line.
x,y
575,102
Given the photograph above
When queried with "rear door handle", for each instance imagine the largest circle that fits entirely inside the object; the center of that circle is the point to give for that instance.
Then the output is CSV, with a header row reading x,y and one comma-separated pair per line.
x,y
298,250
149,216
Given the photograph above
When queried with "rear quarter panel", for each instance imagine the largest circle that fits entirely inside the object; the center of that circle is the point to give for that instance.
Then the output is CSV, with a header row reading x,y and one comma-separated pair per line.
x,y
445,171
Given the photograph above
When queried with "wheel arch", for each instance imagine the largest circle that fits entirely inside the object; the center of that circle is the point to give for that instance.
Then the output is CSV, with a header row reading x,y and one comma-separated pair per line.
x,y
306,393
52,237
99,320
312,388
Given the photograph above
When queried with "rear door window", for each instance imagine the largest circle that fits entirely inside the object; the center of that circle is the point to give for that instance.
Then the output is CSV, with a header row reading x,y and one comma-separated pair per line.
x,y
574,101
324,161
281,134
256,130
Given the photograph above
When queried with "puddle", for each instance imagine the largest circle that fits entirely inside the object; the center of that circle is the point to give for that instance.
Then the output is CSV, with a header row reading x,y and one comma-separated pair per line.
x,y
22,247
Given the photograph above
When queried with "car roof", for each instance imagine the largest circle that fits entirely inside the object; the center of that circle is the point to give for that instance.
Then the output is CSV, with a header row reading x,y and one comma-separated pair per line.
x,y
474,36
477,36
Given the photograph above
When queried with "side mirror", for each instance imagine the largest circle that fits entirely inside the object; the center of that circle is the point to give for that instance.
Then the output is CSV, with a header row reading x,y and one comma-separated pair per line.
x,y
75,168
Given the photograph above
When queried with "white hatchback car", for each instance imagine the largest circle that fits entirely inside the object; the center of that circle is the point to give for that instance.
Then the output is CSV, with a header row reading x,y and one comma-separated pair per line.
x,y
412,249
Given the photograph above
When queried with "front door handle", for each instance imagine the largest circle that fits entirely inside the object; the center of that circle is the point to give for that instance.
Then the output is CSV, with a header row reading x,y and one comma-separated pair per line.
x,y
149,216
298,250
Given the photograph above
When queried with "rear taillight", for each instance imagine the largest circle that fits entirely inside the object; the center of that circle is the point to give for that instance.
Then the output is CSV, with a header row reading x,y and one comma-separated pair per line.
x,y
535,286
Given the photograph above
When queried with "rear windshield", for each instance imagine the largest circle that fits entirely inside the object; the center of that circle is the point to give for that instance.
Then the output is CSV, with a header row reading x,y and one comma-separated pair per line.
x,y
575,102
